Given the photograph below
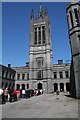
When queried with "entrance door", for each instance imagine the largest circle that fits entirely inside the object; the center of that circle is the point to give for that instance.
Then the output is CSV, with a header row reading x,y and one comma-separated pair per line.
x,y
55,87
61,87
23,86
39,86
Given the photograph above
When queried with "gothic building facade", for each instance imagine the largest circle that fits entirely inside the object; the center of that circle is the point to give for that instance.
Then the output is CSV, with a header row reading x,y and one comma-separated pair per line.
x,y
73,16
40,72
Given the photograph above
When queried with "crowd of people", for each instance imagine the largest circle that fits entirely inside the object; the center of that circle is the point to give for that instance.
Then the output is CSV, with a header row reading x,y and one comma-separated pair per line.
x,y
12,95
9,95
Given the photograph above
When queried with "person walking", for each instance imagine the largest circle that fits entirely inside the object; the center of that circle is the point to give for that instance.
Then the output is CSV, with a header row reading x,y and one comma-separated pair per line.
x,y
1,92
23,93
6,92
11,95
15,94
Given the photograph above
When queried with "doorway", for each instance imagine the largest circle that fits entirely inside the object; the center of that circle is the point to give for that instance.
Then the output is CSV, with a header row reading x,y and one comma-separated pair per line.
x,y
55,87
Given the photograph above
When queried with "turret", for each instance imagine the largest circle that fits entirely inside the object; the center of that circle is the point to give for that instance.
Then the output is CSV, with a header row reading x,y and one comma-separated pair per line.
x,y
73,17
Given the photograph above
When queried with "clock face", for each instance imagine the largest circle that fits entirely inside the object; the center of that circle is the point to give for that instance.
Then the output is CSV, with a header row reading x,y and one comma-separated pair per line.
x,y
39,48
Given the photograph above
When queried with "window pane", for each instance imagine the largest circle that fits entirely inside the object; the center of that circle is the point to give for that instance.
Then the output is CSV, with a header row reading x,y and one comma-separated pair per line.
x,y
76,16
18,76
40,74
39,35
60,74
67,74
35,36
55,75
27,76
71,19
23,76
43,34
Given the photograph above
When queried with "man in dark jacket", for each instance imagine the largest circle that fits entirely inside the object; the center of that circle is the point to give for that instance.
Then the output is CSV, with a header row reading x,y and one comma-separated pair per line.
x,y
11,94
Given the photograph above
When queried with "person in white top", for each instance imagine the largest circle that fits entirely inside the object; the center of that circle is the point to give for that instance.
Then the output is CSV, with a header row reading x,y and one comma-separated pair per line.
x,y
1,91
23,93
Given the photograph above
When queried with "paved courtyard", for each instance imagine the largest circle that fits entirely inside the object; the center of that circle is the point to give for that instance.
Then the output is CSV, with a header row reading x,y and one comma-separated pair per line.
x,y
43,106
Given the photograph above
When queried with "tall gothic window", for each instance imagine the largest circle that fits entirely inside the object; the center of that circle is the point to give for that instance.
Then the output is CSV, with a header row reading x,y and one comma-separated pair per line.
x,y
27,76
61,74
35,36
55,75
39,35
67,74
6,74
39,68
23,76
76,16
18,76
43,34
40,74
39,62
71,19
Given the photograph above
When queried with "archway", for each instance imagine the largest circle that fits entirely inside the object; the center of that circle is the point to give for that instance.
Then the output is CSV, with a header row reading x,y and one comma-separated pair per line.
x,y
39,86
23,86
67,87
61,87
17,86
55,87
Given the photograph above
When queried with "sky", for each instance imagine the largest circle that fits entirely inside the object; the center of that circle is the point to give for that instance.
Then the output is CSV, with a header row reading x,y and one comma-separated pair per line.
x,y
16,31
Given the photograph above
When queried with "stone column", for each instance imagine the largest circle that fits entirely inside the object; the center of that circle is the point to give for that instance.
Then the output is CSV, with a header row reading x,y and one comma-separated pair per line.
x,y
64,74
58,74
25,76
26,86
20,86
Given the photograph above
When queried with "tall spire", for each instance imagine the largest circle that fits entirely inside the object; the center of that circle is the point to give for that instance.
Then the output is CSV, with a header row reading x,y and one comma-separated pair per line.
x,y
32,14
46,12
40,13
40,7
